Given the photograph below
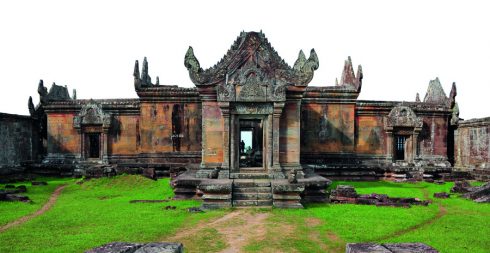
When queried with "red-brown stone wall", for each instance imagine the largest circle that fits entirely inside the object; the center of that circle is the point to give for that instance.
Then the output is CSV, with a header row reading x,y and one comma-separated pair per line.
x,y
327,128
63,138
371,136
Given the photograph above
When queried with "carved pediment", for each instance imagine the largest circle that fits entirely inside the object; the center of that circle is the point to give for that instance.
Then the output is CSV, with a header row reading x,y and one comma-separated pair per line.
x,y
252,71
92,114
403,116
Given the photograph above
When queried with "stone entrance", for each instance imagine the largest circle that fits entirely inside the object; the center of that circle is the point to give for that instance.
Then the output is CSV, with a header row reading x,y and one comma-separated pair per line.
x,y
251,119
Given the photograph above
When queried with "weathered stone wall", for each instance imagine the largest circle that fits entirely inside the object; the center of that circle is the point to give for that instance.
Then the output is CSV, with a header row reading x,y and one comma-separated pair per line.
x,y
327,128
18,140
170,127
472,144
371,136
212,144
63,138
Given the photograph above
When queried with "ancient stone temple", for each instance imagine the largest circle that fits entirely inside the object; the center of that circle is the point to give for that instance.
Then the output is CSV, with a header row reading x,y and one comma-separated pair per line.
x,y
251,131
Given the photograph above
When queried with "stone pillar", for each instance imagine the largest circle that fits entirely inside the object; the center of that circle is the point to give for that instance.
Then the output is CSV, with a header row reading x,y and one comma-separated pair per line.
x,y
82,144
275,136
389,145
225,166
415,137
268,140
234,153
105,157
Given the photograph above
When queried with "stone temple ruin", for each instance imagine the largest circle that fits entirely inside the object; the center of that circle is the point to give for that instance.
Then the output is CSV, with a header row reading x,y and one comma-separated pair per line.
x,y
251,131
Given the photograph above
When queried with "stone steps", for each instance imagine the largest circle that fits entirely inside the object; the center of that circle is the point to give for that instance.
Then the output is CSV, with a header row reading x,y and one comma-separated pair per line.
x,y
252,192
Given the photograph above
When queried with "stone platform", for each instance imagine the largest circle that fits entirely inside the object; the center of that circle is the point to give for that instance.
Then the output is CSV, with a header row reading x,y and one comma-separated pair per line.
x,y
251,190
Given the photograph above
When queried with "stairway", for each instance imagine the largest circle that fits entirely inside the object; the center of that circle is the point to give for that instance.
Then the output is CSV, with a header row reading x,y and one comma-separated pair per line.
x,y
251,192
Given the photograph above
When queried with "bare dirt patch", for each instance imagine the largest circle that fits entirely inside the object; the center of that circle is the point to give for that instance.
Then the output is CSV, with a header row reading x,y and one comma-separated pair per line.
x,y
236,229
44,208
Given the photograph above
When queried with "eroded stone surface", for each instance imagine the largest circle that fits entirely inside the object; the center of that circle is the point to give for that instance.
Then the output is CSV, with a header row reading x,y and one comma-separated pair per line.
x,y
125,247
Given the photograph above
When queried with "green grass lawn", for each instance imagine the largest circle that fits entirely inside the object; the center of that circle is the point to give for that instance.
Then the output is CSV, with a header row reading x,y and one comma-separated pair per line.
x,y
98,211
39,195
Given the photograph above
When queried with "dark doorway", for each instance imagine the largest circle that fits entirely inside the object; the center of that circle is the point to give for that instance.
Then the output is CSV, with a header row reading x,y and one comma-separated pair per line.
x,y
400,147
93,145
251,143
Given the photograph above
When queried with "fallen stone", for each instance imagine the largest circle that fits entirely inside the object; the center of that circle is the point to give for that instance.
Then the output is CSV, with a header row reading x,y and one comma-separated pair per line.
x,y
16,197
124,247
161,248
365,248
148,201
439,182
149,173
345,194
480,193
170,207
461,187
441,195
409,248
484,199
21,188
39,183
389,248
9,186
195,210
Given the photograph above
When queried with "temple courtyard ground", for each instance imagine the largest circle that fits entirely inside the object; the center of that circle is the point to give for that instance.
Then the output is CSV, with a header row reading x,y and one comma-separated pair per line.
x,y
71,215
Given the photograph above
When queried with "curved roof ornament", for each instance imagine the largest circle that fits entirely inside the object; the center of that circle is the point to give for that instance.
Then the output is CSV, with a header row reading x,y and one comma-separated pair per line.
x,y
253,47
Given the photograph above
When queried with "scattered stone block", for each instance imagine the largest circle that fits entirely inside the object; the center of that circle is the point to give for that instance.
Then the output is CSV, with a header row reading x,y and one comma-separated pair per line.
x,y
365,248
461,187
125,247
409,248
195,210
479,194
148,201
389,248
38,183
441,195
149,173
17,197
9,186
345,194
170,207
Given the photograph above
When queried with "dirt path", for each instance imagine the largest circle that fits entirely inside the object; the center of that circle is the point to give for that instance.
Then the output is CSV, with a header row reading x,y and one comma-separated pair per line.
x,y
46,207
237,228
441,212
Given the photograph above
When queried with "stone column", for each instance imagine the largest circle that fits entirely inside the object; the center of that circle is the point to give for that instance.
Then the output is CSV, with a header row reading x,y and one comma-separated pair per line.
x,y
275,136
269,148
233,144
415,137
105,157
389,145
225,166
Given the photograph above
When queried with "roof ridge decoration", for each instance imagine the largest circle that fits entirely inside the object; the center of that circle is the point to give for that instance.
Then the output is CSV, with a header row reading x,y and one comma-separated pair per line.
x,y
143,80
251,59
348,77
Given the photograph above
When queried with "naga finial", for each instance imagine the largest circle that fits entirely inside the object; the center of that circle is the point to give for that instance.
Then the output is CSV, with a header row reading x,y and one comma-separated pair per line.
x,y
190,61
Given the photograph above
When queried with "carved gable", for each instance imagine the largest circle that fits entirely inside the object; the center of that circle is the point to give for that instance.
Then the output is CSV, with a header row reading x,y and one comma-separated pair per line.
x,y
92,114
252,71
403,116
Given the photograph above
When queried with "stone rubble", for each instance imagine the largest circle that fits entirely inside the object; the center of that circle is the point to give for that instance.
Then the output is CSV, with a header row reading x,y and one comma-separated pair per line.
x,y
389,248
125,247
346,194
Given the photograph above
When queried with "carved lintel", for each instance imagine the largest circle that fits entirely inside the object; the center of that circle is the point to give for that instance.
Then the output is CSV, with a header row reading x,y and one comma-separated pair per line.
x,y
253,108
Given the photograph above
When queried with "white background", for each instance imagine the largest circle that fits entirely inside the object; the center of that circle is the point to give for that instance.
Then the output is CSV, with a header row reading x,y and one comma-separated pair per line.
x,y
92,45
